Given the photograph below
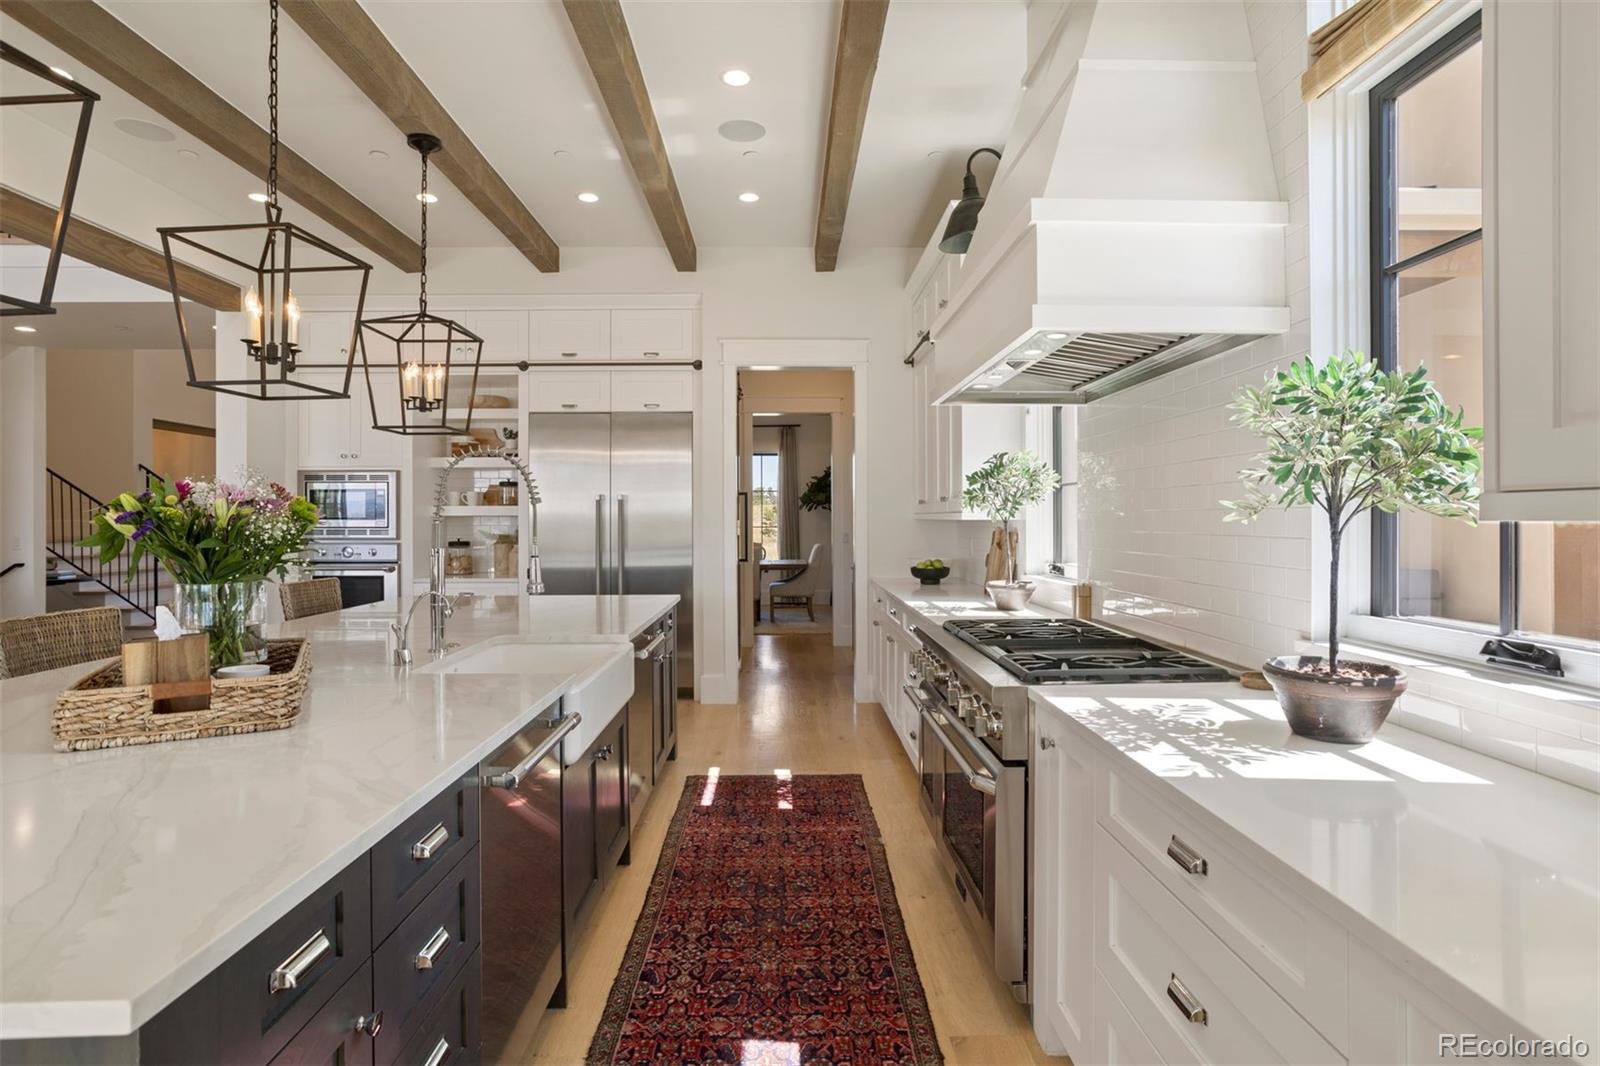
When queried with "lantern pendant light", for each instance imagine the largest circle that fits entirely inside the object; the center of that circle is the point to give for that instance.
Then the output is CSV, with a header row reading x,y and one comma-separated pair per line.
x,y
421,350
274,253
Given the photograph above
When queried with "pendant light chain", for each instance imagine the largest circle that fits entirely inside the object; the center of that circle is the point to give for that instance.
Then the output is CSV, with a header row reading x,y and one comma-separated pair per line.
x,y
272,110
422,298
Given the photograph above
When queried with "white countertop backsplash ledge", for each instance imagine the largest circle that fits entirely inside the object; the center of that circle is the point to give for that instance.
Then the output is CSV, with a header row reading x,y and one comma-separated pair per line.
x,y
131,873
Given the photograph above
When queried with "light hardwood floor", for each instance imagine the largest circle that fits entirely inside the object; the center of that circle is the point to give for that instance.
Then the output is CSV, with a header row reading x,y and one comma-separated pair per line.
x,y
795,711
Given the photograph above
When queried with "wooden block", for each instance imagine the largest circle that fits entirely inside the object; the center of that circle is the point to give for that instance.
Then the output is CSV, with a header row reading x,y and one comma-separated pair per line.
x,y
177,671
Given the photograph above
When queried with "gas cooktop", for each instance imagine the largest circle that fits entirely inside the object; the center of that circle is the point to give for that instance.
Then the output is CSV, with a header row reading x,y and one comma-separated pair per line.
x,y
1052,650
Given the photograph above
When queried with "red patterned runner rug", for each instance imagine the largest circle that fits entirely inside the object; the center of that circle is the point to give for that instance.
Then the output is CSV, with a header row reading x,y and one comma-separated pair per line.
x,y
770,935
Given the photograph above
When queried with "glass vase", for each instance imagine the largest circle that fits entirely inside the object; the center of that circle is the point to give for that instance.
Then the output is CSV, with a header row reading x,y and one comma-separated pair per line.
x,y
230,614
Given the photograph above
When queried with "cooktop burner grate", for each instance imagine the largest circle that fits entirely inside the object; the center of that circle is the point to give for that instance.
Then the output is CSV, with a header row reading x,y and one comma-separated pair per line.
x,y
1049,650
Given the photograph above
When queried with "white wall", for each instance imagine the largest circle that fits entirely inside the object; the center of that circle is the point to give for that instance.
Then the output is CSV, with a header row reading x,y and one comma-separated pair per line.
x,y
746,293
22,480
1156,459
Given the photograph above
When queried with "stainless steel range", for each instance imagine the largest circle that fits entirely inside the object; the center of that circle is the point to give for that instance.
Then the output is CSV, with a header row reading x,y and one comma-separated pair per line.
x,y
970,682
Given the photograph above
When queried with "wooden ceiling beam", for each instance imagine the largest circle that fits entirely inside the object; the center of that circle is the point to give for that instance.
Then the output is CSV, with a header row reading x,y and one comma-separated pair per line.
x,y
97,39
855,63
603,35
349,37
35,221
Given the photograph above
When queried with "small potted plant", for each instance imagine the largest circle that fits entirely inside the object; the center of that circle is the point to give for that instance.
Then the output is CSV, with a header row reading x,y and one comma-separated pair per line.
x,y
1006,483
1349,437
818,494
219,542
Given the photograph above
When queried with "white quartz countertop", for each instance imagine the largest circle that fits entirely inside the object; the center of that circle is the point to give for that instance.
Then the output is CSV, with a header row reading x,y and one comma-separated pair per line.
x,y
128,874
1468,873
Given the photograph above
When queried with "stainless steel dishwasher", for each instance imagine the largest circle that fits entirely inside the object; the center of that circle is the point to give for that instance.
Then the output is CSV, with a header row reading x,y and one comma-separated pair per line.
x,y
523,965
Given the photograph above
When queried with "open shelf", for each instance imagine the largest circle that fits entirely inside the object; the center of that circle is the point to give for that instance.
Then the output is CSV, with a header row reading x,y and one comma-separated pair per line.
x,y
441,462
481,510
499,415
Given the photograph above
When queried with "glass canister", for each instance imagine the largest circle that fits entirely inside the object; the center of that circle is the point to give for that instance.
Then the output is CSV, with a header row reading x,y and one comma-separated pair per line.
x,y
458,558
505,555
508,492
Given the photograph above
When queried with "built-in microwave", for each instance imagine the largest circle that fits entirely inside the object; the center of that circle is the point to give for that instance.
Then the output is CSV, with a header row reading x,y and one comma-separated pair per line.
x,y
354,503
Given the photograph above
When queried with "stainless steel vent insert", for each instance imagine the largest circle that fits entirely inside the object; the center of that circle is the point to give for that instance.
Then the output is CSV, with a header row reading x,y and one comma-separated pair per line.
x,y
1089,357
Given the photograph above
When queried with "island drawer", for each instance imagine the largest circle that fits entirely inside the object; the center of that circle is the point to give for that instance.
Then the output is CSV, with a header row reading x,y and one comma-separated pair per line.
x,y
340,1032
249,1007
1191,996
1298,949
424,954
449,1033
416,855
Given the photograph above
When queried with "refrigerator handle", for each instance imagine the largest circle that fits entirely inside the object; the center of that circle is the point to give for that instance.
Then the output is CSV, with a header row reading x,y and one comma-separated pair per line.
x,y
622,545
599,545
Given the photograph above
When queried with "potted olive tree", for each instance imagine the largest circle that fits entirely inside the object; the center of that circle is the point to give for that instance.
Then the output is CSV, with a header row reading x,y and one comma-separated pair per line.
x,y
1006,483
1349,437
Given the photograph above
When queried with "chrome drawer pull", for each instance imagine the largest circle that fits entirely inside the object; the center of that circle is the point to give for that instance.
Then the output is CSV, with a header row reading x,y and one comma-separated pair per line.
x,y
371,1024
1186,1002
496,778
433,949
290,971
425,848
440,1052
1186,857
1046,743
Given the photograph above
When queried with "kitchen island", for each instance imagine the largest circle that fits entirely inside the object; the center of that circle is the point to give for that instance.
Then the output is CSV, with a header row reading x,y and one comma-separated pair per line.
x,y
130,874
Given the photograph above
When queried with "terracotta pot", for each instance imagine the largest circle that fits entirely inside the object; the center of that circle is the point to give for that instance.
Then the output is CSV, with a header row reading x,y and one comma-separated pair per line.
x,y
1338,710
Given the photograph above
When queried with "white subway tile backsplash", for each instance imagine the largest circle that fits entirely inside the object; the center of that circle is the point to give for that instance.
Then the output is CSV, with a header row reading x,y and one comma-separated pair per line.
x,y
1508,741
1568,759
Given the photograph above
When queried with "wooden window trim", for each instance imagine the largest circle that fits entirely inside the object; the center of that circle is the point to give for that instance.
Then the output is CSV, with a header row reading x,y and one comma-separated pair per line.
x,y
1354,36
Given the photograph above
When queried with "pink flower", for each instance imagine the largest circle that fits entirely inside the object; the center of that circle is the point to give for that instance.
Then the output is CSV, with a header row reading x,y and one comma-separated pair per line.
x,y
184,487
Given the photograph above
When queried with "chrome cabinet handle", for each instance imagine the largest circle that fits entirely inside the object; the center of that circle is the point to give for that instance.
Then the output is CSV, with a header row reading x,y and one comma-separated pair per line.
x,y
892,612
650,648
603,754
652,406
289,973
1046,743
513,777
440,1052
569,406
433,949
432,842
371,1024
652,355
1190,860
569,355
1187,1004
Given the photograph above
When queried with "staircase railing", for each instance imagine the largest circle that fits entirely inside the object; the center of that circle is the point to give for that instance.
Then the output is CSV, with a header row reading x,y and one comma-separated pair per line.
x,y
149,474
71,516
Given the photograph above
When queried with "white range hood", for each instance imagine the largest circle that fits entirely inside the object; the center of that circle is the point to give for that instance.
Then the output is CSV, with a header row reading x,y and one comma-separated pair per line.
x,y
1133,226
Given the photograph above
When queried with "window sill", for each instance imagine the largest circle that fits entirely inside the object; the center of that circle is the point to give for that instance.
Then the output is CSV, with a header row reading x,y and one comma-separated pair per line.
x,y
1460,646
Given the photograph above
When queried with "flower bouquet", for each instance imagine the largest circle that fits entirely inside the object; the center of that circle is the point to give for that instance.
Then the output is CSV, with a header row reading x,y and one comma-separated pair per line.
x,y
219,542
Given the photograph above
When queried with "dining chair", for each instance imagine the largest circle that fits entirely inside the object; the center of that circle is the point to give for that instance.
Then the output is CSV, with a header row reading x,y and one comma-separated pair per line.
x,y
304,598
797,588
38,642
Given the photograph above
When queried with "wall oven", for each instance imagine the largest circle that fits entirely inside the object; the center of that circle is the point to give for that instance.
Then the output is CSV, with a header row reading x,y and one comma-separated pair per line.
x,y
355,504
367,571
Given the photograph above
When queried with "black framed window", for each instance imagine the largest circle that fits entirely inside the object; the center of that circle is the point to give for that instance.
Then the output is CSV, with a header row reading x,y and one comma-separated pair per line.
x,y
1426,128
1064,501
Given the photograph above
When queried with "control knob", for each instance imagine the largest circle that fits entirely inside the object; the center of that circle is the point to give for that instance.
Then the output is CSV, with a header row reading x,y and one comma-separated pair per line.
x,y
348,551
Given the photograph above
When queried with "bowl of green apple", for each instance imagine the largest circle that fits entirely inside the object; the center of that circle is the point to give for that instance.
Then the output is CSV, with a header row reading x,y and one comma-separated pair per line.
x,y
930,571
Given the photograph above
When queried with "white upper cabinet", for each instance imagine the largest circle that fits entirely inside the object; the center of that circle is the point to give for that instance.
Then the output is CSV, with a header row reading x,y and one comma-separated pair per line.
x,y
1542,261
504,333
335,434
325,337
572,334
663,334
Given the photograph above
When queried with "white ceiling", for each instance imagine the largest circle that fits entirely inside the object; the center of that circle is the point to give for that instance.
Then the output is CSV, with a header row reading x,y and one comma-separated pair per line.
x,y
109,327
511,74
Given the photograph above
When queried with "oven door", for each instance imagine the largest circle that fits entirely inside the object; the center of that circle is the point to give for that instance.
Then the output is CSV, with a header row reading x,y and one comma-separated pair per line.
x,y
930,756
971,784
361,585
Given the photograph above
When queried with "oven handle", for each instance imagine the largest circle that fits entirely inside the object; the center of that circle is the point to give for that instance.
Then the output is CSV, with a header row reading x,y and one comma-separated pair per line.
x,y
981,782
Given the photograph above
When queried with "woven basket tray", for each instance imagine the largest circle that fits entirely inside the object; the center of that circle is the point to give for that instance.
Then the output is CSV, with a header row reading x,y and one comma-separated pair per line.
x,y
101,712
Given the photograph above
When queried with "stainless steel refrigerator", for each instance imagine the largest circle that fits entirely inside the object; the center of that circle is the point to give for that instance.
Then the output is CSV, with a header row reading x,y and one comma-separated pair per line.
x,y
617,508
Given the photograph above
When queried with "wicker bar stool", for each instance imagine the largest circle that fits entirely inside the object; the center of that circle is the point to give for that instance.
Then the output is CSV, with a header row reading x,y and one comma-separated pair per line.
x,y
39,642
304,598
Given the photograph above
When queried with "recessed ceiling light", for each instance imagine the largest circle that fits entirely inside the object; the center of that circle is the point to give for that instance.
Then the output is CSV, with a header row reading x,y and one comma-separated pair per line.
x,y
763,367
935,154
766,414
742,130
749,197
736,78
378,153
980,386
58,72
588,197
427,197
1055,336
1033,351
144,131
997,374
188,153
749,153
1451,355
561,153
24,329
259,197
